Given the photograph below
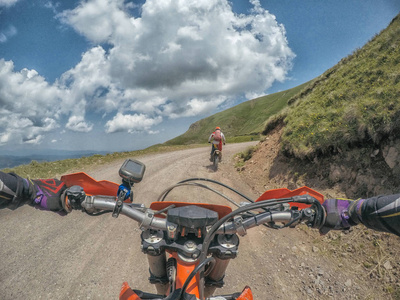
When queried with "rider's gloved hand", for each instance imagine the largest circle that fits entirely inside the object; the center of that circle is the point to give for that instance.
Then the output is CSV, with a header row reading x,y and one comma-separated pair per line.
x,y
338,215
46,194
75,195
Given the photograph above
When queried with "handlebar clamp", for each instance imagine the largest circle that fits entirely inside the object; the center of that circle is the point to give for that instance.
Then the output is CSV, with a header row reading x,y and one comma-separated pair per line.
x,y
118,205
148,218
238,223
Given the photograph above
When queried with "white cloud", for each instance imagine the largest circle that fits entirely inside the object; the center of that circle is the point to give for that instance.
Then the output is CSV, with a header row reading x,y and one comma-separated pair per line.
x,y
77,123
179,58
131,123
182,50
9,32
27,92
34,139
52,6
98,20
4,138
15,127
29,105
7,3
193,107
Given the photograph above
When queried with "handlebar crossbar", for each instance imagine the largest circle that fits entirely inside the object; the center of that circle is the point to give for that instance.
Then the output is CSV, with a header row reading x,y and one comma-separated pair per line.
x,y
147,220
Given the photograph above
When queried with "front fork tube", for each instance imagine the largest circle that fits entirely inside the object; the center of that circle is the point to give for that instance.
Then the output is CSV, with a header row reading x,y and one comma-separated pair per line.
x,y
215,278
158,272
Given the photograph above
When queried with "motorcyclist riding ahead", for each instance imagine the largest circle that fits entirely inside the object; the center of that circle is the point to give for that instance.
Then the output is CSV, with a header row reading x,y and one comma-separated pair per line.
x,y
217,138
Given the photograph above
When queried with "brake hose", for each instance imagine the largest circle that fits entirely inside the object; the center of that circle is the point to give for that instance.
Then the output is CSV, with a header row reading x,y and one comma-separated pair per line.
x,y
225,186
167,191
95,214
221,184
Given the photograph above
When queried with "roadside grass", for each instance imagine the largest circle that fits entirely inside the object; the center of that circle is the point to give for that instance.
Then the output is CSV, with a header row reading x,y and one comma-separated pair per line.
x,y
244,138
242,157
57,168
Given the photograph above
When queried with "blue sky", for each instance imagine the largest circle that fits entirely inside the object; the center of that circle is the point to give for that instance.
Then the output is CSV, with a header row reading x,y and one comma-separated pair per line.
x,y
114,75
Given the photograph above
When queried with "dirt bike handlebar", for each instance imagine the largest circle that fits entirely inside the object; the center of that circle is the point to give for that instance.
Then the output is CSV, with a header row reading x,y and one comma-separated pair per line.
x,y
147,220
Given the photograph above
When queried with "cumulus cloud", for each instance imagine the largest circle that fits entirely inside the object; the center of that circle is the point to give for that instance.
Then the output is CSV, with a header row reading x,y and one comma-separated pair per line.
x,y
29,105
178,58
193,107
77,123
131,123
185,49
24,130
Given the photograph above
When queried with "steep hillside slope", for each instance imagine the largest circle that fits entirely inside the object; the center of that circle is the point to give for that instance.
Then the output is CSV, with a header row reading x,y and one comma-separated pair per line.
x,y
344,127
245,119
356,102
340,135
364,255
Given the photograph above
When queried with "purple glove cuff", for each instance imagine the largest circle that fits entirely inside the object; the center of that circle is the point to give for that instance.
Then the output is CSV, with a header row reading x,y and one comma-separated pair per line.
x,y
41,199
343,210
345,218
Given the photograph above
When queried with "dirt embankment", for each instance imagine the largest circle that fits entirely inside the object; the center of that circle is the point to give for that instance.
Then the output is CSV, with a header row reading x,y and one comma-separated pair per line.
x,y
368,260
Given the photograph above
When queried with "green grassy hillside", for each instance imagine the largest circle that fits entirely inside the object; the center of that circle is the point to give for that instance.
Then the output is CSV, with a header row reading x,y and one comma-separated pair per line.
x,y
355,103
242,122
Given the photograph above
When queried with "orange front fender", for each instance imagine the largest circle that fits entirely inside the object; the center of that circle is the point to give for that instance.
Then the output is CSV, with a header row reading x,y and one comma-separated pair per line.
x,y
246,294
127,293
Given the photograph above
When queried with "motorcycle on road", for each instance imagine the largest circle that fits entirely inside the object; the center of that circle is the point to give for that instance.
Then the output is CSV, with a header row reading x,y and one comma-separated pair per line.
x,y
216,157
190,245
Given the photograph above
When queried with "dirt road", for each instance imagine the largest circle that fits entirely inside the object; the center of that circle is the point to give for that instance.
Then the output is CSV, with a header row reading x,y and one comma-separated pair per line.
x,y
46,256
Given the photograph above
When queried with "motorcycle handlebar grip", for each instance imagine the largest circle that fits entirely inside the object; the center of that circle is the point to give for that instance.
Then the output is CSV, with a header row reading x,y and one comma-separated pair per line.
x,y
307,199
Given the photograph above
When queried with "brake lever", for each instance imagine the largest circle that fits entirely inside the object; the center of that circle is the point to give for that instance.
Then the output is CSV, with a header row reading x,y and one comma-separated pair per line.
x,y
316,212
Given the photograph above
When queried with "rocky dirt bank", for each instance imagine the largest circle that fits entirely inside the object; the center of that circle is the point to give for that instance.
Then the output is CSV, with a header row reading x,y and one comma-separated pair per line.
x,y
361,255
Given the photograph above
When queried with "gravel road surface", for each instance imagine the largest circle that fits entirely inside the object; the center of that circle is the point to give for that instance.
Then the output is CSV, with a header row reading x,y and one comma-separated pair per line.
x,y
46,256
